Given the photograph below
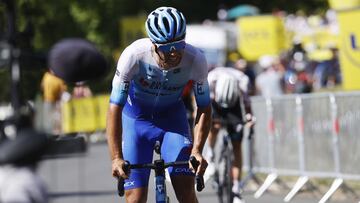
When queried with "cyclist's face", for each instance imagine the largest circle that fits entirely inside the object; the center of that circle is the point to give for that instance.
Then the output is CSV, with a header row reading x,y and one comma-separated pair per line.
x,y
170,54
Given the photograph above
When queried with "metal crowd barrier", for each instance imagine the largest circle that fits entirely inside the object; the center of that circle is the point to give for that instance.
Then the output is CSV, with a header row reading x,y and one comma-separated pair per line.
x,y
309,136
80,115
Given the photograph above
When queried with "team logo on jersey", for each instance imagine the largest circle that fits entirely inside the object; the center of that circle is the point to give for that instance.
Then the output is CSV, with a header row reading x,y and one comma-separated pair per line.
x,y
125,86
157,85
200,88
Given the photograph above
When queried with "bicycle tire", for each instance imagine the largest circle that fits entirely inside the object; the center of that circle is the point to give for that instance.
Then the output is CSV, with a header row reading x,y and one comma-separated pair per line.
x,y
223,177
228,177
217,186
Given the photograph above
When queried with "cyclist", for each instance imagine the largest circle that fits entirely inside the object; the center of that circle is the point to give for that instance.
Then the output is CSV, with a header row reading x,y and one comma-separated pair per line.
x,y
228,89
146,106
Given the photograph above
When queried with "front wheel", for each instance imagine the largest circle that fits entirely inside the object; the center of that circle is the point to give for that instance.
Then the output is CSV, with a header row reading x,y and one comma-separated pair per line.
x,y
228,183
223,178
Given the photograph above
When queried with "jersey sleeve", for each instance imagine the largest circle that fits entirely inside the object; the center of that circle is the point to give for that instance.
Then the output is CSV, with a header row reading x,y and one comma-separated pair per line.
x,y
125,70
201,86
212,75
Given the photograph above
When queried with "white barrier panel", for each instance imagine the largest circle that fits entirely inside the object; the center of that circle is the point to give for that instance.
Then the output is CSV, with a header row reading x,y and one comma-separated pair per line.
x,y
286,144
261,146
348,107
318,135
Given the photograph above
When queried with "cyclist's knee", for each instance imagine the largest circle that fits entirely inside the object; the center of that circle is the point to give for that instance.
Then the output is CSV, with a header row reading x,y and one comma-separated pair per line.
x,y
138,195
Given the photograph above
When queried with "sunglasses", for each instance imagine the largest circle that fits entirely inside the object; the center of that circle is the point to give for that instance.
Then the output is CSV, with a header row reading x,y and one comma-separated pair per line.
x,y
172,46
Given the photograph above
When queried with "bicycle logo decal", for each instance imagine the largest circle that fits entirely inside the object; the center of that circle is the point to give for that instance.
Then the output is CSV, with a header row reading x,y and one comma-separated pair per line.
x,y
130,183
160,188
183,170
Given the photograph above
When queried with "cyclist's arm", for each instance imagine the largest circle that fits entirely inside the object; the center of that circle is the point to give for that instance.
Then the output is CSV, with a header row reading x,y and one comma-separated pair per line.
x,y
203,111
244,82
202,128
114,131
125,70
246,102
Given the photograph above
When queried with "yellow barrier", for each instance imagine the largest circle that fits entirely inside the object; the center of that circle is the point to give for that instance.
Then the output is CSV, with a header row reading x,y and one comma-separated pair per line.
x,y
66,117
85,114
102,104
349,48
260,35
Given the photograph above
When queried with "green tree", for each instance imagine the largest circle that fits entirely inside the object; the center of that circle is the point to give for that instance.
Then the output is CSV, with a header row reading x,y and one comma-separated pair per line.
x,y
42,23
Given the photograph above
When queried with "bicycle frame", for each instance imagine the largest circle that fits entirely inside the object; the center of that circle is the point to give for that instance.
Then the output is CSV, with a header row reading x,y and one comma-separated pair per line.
x,y
223,178
224,183
159,167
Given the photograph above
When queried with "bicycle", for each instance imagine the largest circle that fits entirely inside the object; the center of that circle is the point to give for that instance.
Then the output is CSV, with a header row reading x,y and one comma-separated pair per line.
x,y
222,180
159,167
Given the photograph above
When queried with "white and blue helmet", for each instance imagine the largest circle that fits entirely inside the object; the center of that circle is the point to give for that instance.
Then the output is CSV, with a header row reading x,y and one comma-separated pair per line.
x,y
165,24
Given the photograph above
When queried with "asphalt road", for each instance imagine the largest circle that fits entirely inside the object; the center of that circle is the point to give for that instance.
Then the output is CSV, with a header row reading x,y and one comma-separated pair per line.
x,y
86,179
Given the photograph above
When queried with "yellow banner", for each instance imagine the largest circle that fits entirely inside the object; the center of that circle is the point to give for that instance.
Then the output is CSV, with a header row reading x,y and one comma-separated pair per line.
x,y
344,4
85,114
102,105
131,29
66,118
260,35
349,48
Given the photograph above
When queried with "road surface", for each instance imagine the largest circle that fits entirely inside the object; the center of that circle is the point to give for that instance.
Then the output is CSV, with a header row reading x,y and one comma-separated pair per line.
x,y
86,179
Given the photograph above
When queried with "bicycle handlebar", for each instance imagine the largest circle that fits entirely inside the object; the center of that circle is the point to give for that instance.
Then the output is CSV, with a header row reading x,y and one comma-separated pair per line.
x,y
127,167
200,185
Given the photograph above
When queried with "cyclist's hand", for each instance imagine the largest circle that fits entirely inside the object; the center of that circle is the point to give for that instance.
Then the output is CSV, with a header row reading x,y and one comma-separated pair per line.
x,y
118,166
202,164
250,120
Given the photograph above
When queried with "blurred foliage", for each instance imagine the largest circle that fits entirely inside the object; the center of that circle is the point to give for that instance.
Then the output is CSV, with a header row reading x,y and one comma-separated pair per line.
x,y
41,23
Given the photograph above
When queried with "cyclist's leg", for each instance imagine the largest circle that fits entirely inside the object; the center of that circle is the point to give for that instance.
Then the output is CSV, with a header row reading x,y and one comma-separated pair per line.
x,y
236,140
214,130
177,147
215,126
237,163
137,149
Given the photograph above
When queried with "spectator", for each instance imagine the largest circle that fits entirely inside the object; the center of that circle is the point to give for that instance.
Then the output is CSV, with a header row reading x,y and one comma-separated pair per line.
x,y
268,83
53,89
303,82
19,158
244,67
327,73
81,90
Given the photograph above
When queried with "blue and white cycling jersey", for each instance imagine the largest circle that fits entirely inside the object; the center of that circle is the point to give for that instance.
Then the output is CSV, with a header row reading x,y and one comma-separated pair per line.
x,y
140,81
153,108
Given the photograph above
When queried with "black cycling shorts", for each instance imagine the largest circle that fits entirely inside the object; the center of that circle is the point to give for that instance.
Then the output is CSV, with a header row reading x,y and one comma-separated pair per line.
x,y
231,118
